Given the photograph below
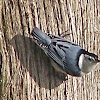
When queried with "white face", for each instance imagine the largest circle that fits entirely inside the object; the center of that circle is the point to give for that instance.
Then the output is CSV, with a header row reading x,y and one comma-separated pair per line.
x,y
90,60
88,63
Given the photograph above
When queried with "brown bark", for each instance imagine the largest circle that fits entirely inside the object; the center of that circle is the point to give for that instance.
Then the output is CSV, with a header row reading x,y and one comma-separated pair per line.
x,y
25,71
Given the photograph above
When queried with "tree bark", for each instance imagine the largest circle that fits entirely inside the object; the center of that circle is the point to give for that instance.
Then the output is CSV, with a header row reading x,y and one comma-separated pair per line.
x,y
25,71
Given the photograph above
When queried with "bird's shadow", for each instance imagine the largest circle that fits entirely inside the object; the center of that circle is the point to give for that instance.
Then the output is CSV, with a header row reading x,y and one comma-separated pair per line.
x,y
36,62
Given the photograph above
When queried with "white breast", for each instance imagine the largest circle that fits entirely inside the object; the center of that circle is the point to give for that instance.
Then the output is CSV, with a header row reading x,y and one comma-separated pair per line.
x,y
81,59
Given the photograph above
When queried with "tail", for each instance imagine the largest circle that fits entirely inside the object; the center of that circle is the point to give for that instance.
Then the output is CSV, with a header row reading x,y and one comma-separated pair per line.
x,y
41,36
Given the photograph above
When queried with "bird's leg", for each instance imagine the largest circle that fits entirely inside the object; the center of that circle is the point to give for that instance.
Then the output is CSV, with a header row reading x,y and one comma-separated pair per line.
x,y
64,35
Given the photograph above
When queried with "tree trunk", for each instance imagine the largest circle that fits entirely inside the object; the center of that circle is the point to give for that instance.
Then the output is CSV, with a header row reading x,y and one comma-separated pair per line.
x,y
25,71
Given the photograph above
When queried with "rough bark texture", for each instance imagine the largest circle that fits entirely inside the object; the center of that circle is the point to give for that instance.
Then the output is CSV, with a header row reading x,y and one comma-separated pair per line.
x,y
25,71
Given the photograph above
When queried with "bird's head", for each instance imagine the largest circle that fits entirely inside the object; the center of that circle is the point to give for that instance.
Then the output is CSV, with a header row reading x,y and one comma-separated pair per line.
x,y
88,62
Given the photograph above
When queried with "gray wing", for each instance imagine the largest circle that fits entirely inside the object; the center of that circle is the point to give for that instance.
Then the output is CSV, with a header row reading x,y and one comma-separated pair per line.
x,y
54,56
63,52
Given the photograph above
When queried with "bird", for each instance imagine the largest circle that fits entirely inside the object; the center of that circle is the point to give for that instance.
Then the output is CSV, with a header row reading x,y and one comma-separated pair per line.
x,y
65,56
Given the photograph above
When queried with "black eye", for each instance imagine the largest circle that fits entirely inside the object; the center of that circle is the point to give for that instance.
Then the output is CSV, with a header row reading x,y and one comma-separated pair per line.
x,y
90,59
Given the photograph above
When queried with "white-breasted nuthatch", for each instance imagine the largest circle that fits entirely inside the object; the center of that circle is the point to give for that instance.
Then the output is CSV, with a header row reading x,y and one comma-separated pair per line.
x,y
66,56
